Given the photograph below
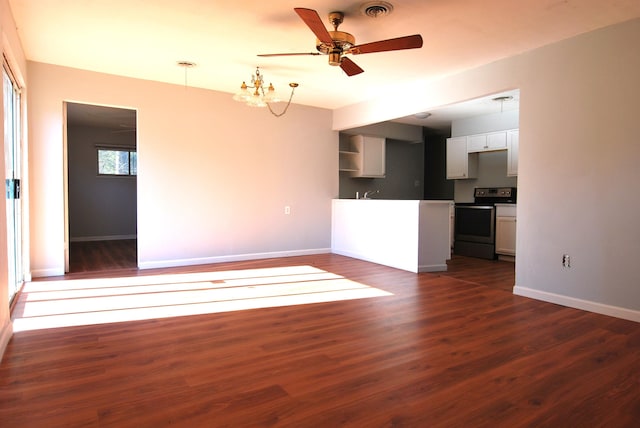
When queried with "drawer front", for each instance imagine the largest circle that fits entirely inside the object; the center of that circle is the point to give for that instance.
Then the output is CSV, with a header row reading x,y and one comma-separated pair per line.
x,y
505,210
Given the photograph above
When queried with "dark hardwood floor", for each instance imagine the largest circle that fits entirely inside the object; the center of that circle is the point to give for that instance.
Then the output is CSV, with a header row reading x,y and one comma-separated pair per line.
x,y
89,256
121,255
451,349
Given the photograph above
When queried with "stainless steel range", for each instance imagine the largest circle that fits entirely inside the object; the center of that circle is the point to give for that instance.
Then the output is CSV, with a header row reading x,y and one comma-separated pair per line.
x,y
475,222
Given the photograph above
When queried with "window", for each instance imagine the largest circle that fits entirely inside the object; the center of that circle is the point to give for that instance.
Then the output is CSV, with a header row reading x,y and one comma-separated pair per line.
x,y
117,161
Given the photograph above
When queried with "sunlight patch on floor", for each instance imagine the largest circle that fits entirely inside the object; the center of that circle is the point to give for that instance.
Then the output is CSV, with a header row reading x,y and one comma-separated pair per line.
x,y
65,303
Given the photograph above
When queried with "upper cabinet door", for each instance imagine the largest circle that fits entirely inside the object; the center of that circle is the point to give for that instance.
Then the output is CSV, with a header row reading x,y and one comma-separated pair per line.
x,y
460,164
487,142
370,158
476,143
497,140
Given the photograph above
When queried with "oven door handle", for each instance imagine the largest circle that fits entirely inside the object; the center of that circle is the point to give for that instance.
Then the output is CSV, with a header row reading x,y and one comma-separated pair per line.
x,y
475,207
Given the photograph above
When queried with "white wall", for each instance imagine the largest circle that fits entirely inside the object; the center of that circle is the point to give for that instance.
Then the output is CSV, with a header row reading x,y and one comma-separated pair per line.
x,y
578,167
214,175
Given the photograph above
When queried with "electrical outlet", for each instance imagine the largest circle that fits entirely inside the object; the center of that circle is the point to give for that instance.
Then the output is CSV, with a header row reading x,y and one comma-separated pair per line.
x,y
566,261
287,210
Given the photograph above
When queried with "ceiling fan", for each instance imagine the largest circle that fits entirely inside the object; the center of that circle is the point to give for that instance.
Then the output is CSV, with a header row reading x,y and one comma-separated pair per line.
x,y
336,43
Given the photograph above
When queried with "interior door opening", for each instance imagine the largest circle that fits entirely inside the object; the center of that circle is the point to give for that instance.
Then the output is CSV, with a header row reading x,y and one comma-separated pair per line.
x,y
101,188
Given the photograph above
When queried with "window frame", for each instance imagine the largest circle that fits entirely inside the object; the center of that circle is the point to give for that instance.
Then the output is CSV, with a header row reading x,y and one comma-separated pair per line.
x,y
129,150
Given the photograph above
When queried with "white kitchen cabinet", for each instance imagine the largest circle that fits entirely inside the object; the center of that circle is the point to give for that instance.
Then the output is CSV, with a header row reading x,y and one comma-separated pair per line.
x,y
513,143
462,152
365,157
506,229
460,164
487,142
348,161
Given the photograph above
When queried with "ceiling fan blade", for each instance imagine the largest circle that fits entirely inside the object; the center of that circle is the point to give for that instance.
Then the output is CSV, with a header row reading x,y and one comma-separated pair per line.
x,y
313,21
350,67
406,42
290,54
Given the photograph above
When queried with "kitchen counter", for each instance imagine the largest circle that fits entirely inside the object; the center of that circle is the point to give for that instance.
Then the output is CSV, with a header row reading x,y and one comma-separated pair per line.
x,y
412,235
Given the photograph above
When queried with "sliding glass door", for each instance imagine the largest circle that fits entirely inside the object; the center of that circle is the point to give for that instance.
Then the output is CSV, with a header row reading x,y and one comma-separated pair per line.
x,y
12,156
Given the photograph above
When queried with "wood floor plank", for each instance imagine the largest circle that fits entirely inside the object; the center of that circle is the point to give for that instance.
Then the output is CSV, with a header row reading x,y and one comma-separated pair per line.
x,y
455,348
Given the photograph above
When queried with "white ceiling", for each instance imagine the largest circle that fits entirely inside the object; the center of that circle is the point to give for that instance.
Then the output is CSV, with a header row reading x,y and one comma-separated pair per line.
x,y
441,118
146,38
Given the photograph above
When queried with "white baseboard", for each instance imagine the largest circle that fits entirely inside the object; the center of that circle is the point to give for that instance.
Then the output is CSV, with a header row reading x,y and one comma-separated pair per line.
x,y
572,302
230,258
365,257
102,238
5,336
40,273
432,268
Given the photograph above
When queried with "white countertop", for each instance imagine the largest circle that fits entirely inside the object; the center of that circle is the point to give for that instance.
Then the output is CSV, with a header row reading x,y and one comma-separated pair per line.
x,y
425,201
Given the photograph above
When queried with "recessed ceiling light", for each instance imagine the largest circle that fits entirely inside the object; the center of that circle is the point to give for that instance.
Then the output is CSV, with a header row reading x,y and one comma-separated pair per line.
x,y
422,115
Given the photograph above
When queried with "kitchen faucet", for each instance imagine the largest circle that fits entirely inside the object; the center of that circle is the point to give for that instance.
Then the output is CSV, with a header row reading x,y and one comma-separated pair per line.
x,y
368,193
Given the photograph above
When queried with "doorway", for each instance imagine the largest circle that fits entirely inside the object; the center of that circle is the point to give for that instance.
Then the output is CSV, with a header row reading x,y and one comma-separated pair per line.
x,y
101,187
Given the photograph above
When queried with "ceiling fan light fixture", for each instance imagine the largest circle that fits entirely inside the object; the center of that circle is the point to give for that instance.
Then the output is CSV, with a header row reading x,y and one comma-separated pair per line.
x,y
339,43
335,57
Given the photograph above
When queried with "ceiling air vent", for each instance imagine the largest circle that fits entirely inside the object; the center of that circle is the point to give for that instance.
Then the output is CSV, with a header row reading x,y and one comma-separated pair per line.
x,y
376,9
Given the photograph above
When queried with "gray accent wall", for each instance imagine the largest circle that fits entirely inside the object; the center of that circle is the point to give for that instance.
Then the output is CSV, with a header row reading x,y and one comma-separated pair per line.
x,y
436,185
404,158
404,178
100,208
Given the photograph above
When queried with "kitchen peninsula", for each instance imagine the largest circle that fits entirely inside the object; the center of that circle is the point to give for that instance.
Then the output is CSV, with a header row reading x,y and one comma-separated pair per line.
x,y
412,235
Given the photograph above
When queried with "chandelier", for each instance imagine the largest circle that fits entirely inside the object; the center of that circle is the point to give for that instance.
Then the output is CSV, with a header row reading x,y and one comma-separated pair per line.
x,y
261,97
